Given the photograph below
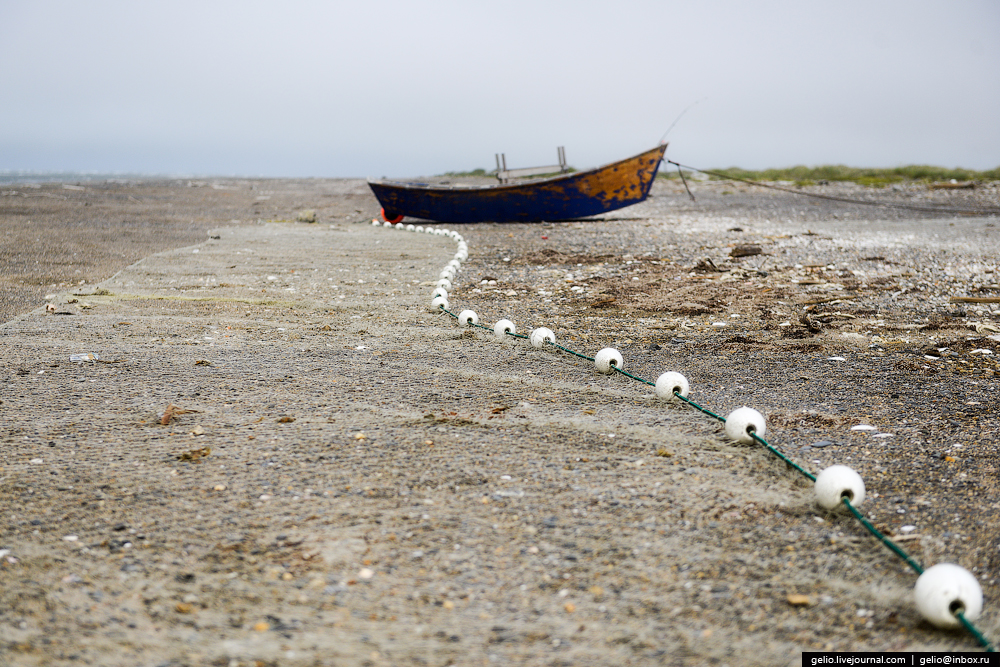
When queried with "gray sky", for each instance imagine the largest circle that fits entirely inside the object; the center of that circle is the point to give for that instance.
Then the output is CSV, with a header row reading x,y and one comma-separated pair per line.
x,y
311,88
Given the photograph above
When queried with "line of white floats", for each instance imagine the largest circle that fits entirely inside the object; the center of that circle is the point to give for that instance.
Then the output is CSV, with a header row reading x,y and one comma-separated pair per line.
x,y
940,592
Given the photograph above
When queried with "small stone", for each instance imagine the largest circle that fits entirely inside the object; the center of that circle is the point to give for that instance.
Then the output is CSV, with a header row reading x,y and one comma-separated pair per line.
x,y
448,604
797,600
261,626
307,215
366,573
184,608
219,487
569,607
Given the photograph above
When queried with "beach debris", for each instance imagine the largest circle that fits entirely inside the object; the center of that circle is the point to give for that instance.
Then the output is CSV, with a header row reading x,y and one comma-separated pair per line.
x,y
798,600
811,325
706,265
285,420
173,411
863,427
603,302
975,299
194,454
746,250
86,356
308,215
50,308
952,185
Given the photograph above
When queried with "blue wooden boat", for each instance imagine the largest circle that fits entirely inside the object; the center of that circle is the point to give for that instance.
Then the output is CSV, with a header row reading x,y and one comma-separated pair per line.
x,y
564,197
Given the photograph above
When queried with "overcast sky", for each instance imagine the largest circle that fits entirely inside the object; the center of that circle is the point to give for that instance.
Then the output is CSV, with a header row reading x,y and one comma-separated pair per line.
x,y
368,88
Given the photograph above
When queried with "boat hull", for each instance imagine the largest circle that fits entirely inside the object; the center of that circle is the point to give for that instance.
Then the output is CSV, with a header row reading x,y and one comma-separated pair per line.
x,y
566,197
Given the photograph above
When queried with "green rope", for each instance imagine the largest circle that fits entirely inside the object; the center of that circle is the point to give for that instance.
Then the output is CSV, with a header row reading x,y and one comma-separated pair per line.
x,y
882,538
974,631
627,374
699,408
784,458
566,349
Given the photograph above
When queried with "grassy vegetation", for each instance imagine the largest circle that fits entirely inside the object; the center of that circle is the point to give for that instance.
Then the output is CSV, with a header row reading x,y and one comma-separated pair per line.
x,y
878,178
474,172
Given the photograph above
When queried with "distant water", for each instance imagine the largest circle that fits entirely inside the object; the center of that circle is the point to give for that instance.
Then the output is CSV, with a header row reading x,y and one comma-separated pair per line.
x,y
21,176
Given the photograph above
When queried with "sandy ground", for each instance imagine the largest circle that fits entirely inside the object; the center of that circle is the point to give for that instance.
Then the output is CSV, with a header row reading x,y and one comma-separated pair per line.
x,y
349,478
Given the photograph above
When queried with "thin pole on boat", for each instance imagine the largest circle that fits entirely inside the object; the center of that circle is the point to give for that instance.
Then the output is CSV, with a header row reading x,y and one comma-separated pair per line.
x,y
663,138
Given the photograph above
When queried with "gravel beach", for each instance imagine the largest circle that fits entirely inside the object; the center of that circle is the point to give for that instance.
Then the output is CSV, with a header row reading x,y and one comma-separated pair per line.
x,y
282,456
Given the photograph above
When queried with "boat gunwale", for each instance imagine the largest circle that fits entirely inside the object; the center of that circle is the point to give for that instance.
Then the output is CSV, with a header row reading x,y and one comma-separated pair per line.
x,y
532,183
